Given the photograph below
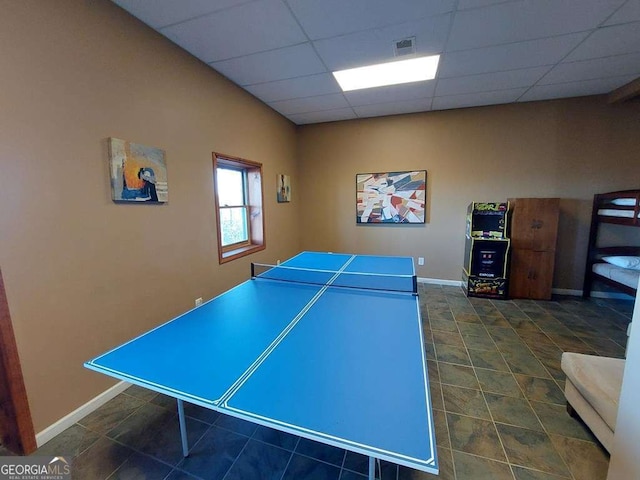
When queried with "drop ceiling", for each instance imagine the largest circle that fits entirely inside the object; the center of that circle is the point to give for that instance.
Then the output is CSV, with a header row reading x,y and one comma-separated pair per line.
x,y
492,52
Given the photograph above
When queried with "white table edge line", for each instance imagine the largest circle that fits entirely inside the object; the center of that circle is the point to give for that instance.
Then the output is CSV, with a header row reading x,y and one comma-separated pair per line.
x,y
161,325
426,380
337,440
154,386
274,344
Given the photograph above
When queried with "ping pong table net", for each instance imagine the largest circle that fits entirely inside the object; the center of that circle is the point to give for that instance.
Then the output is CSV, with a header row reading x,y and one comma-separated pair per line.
x,y
341,279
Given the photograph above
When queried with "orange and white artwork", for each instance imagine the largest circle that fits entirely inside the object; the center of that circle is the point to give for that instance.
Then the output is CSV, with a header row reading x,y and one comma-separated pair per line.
x,y
138,172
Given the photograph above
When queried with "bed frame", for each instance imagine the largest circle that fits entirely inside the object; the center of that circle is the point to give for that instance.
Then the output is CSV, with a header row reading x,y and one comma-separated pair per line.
x,y
595,253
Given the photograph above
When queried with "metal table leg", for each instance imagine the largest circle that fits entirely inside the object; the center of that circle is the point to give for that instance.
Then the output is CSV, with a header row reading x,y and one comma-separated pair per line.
x,y
183,428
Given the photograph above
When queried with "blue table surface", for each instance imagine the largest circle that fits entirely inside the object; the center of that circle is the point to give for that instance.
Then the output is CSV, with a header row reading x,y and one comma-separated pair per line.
x,y
343,366
203,352
353,370
362,271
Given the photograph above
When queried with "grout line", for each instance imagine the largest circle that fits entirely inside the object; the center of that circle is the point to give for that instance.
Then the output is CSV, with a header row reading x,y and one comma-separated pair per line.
x,y
537,357
528,401
435,354
482,392
344,459
284,472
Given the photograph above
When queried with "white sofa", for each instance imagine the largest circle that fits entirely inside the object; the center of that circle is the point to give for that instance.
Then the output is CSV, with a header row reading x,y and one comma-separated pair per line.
x,y
592,390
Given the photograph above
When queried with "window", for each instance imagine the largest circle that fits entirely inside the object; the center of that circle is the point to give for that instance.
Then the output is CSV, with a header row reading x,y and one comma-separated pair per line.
x,y
240,221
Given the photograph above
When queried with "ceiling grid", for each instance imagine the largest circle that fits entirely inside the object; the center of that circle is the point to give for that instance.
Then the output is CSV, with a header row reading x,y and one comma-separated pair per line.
x,y
491,51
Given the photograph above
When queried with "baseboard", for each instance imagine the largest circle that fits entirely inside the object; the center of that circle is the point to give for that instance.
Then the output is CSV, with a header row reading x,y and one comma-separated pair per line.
x,y
594,294
65,422
557,291
568,292
439,281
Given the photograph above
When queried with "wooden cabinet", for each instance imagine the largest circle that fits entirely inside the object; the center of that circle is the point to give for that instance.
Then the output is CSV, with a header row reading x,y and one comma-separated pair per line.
x,y
534,230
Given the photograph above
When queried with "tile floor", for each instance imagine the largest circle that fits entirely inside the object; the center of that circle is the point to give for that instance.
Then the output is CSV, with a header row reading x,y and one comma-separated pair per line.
x,y
496,386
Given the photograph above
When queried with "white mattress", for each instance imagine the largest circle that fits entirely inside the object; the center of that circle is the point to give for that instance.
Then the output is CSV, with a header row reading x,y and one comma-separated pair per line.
x,y
626,276
629,202
610,212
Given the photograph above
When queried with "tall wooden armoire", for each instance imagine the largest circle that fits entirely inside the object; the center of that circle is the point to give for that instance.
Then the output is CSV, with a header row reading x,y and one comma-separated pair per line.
x,y
534,230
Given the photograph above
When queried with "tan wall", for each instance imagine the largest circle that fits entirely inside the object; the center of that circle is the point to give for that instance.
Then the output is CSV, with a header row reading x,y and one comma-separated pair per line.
x,y
569,149
82,273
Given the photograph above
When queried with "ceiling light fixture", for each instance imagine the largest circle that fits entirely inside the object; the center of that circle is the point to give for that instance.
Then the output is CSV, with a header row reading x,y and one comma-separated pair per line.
x,y
391,73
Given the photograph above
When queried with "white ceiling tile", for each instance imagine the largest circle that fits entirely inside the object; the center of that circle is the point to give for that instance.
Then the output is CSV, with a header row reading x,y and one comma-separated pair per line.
x,y
238,31
487,82
533,53
394,108
392,93
630,12
376,46
324,116
575,89
160,13
329,18
289,62
526,20
591,69
298,87
607,41
466,4
333,101
477,99
496,49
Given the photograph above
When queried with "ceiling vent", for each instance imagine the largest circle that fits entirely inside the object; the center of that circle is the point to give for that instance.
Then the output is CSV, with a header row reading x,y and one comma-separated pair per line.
x,y
406,46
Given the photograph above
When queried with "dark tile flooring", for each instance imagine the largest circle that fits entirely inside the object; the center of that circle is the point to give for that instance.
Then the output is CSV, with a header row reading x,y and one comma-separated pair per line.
x,y
496,387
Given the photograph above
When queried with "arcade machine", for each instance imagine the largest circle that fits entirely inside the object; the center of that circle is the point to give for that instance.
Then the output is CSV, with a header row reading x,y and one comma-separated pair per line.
x,y
486,251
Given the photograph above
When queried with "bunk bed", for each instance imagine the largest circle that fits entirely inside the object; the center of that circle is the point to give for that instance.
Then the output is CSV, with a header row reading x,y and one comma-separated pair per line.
x,y
618,267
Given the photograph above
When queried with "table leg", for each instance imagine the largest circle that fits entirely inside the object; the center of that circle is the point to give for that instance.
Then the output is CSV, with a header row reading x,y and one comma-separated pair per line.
x,y
372,468
183,428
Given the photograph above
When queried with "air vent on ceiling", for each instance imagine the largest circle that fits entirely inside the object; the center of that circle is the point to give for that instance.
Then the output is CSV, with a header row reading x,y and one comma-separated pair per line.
x,y
403,47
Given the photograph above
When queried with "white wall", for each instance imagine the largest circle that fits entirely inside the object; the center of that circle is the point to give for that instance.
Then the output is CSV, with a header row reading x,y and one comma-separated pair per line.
x,y
625,455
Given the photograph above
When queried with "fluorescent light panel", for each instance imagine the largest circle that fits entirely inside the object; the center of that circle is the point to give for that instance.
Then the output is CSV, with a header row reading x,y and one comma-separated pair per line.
x,y
391,73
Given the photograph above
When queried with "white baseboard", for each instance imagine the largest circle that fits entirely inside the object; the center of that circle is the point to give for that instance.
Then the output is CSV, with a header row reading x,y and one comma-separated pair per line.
x,y
65,422
557,291
439,281
594,294
565,291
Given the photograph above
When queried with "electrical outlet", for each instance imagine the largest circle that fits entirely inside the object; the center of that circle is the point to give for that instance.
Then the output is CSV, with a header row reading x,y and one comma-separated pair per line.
x,y
420,260
198,301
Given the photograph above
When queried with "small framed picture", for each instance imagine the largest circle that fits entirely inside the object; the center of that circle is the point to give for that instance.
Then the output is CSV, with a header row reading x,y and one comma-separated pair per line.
x,y
138,172
284,188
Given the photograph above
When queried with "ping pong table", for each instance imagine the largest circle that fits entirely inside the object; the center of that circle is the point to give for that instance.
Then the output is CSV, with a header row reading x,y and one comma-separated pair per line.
x,y
325,346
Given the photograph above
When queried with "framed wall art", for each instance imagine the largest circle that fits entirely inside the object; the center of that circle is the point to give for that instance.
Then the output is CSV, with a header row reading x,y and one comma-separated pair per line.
x,y
392,197
138,172
284,188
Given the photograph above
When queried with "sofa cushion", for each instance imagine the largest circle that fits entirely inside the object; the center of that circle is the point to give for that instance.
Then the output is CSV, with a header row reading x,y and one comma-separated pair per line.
x,y
598,379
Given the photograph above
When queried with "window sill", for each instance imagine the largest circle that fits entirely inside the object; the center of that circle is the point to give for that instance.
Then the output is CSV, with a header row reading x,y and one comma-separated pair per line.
x,y
239,253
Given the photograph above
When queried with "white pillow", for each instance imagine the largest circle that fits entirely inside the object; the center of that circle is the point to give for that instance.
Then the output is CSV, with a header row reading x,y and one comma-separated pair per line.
x,y
624,262
626,202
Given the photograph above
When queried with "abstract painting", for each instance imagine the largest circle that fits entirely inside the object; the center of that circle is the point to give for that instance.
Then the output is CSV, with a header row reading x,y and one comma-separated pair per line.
x,y
284,188
394,197
138,172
